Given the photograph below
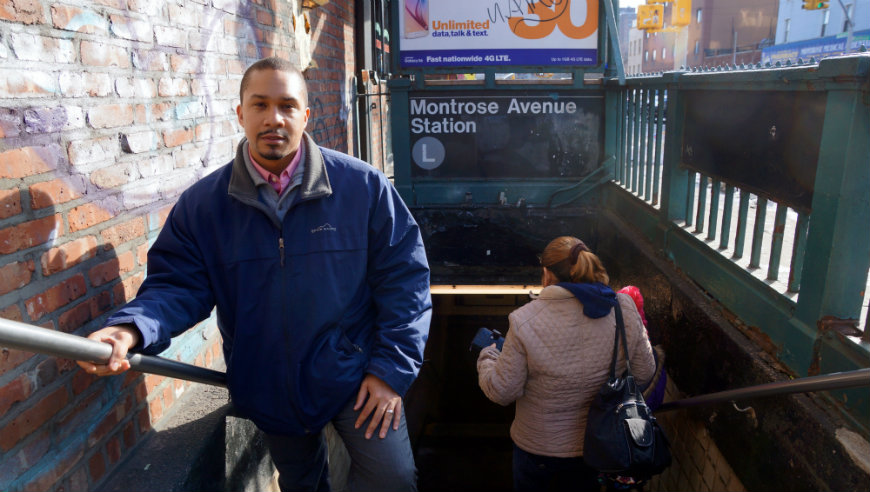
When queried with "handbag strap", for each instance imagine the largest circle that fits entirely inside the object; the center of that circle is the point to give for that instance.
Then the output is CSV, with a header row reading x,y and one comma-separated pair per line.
x,y
620,333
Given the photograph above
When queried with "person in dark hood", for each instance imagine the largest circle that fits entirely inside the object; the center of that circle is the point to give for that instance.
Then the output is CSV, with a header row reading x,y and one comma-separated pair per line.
x,y
556,356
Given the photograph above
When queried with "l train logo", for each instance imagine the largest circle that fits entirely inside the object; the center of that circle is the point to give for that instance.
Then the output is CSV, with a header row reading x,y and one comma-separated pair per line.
x,y
551,14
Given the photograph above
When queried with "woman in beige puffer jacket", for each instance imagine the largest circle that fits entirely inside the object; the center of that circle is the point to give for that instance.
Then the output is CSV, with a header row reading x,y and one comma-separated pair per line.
x,y
556,356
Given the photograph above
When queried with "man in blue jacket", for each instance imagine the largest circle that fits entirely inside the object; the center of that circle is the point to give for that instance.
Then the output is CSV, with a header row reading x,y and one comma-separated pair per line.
x,y
321,285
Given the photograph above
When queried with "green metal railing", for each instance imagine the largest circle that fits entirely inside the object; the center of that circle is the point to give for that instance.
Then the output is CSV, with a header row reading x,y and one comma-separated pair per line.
x,y
799,274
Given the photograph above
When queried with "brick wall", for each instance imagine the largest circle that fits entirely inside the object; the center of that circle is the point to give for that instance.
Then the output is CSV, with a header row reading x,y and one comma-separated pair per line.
x,y
331,85
698,465
108,110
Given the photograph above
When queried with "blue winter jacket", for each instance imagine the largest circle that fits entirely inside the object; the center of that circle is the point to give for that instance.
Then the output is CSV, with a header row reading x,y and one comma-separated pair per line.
x,y
306,307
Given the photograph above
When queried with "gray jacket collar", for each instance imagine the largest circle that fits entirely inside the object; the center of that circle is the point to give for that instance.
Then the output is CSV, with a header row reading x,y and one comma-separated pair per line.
x,y
315,180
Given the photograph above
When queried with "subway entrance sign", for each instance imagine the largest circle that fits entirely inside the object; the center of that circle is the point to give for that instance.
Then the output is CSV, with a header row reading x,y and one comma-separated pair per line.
x,y
498,134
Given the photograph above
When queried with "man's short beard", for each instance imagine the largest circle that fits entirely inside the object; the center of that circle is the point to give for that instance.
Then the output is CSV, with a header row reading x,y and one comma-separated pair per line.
x,y
273,155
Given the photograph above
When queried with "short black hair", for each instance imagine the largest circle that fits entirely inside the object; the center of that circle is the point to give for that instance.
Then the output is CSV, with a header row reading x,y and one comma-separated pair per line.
x,y
274,63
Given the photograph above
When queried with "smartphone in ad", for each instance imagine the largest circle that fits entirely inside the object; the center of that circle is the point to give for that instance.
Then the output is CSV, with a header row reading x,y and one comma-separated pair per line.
x,y
416,18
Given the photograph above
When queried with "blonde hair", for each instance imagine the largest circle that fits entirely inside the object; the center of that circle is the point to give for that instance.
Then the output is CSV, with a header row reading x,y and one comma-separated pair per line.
x,y
570,260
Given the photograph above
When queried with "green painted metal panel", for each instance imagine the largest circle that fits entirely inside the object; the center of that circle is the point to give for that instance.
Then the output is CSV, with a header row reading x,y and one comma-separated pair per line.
x,y
727,210
838,239
798,252
701,217
742,220
714,210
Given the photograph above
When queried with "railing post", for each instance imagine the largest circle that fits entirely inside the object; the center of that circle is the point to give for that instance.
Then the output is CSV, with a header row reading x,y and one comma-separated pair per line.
x,y
837,255
612,130
674,177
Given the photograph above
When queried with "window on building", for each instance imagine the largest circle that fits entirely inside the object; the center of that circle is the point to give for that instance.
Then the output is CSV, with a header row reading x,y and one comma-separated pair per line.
x,y
785,31
373,43
698,16
646,56
848,16
697,46
825,18
664,53
654,55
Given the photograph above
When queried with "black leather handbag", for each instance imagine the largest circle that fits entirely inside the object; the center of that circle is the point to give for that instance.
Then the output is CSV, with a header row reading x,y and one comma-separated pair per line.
x,y
622,436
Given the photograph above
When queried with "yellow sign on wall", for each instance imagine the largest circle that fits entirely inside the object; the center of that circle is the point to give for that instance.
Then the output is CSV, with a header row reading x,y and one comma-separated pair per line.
x,y
650,16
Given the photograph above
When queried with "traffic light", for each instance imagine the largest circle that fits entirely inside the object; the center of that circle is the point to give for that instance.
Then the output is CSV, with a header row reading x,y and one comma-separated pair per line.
x,y
650,17
681,13
814,5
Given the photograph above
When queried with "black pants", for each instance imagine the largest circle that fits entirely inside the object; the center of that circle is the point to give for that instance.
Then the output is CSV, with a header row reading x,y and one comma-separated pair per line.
x,y
534,473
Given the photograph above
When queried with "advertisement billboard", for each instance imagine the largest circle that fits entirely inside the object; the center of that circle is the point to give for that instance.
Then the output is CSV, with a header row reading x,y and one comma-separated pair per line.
x,y
444,33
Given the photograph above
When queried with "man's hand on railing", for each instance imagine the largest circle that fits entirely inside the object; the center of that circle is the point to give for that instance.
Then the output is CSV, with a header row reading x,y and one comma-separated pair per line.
x,y
121,338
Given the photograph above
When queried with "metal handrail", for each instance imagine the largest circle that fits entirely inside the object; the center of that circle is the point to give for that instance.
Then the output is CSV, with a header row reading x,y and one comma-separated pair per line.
x,y
22,336
837,380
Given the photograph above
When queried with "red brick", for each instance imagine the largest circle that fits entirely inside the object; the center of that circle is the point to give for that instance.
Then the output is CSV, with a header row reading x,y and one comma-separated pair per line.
x,y
52,192
113,449
174,138
26,458
20,163
56,297
46,372
168,396
65,365
61,15
10,203
126,262
79,315
127,289
111,269
29,234
140,114
110,116
129,435
68,457
155,408
152,381
142,254
115,236
13,313
104,55
75,317
86,216
113,176
161,216
109,422
144,420
22,11
11,359
102,302
82,381
32,418
68,255
265,17
19,389
15,275
161,112
97,466
77,479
